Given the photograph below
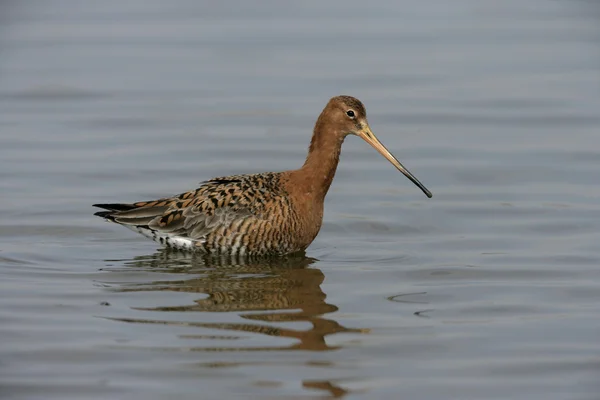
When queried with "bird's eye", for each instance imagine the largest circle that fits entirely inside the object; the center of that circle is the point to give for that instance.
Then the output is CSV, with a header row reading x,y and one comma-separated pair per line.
x,y
350,113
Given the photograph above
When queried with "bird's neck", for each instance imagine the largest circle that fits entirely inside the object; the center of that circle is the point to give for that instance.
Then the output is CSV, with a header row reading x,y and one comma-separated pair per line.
x,y
317,173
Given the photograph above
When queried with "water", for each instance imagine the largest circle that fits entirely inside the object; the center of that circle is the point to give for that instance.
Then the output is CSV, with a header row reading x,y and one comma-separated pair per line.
x,y
489,290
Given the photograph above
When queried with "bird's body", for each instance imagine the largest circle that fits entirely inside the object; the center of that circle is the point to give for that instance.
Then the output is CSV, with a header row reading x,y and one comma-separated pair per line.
x,y
259,214
242,214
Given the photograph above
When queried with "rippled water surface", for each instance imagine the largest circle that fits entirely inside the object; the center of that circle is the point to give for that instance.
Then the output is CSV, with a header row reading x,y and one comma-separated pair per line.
x,y
491,289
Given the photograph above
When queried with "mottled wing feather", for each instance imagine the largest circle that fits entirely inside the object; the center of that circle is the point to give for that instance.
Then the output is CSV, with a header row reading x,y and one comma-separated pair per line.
x,y
219,202
200,225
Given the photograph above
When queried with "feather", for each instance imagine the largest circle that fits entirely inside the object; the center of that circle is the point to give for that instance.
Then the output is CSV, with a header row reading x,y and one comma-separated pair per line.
x,y
193,216
115,207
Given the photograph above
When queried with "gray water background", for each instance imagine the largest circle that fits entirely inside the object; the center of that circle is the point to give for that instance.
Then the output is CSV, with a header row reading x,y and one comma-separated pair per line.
x,y
489,290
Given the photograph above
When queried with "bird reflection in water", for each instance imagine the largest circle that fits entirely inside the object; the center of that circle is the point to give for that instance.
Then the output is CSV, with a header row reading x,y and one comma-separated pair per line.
x,y
286,287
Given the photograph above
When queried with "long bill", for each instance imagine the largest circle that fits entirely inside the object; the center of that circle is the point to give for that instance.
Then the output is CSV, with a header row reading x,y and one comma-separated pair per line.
x,y
370,138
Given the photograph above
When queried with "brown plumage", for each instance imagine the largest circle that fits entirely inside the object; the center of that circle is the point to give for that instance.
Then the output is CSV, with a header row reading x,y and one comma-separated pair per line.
x,y
268,213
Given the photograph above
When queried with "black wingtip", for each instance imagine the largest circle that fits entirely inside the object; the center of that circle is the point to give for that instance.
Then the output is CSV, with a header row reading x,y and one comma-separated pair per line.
x,y
105,214
114,206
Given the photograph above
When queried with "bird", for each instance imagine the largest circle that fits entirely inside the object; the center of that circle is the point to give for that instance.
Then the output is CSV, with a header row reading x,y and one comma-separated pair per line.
x,y
270,213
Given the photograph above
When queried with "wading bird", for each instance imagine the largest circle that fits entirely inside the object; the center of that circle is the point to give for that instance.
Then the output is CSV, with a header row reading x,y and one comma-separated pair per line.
x,y
258,214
